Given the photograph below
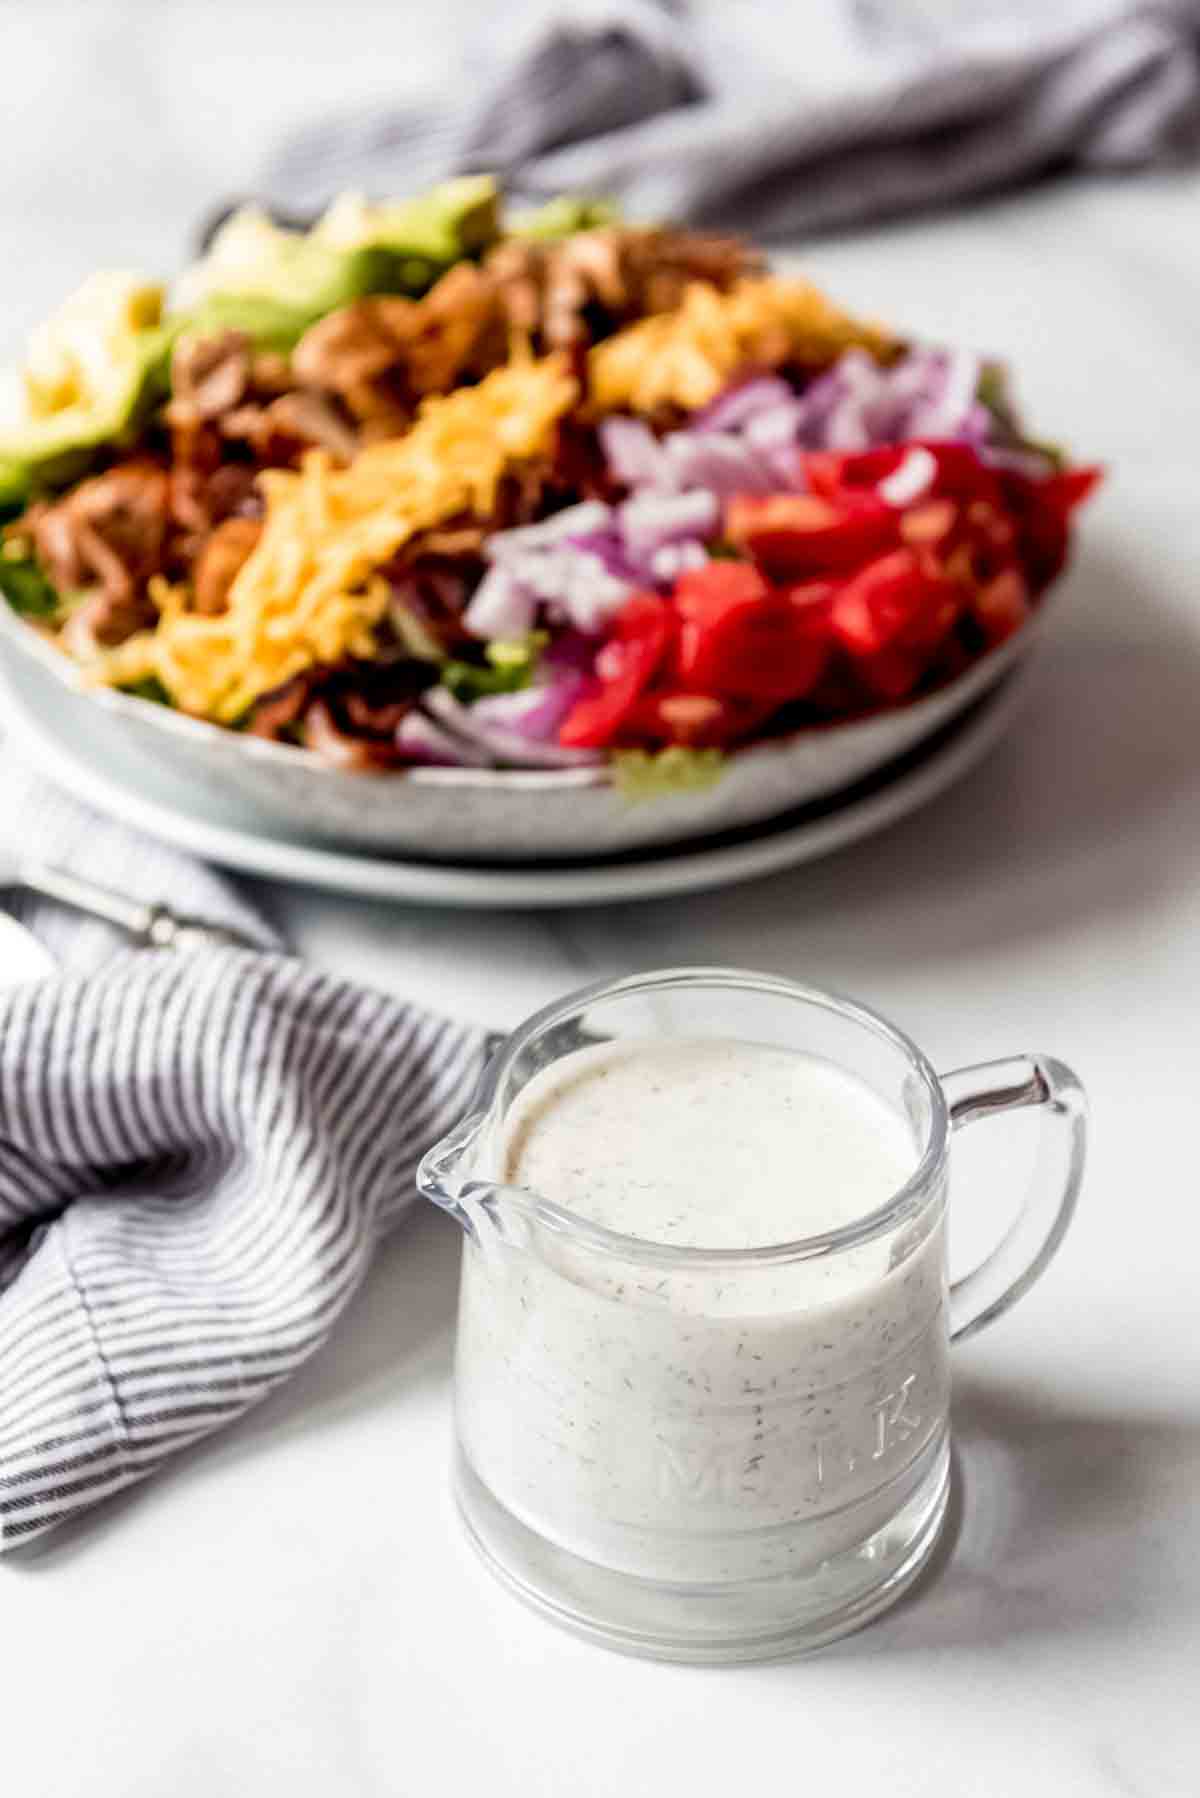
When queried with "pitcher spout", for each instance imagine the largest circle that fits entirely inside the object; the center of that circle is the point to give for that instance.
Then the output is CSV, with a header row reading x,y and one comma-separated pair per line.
x,y
445,1173
450,1176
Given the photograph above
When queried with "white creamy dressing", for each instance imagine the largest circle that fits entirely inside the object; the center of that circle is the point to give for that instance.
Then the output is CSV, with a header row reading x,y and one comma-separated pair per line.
x,y
702,1421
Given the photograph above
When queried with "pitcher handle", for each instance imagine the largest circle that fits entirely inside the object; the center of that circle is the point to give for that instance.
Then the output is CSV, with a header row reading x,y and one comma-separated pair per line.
x,y
1029,1243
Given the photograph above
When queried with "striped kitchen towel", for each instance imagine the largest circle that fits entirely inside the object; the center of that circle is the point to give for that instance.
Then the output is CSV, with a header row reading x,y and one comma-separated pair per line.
x,y
198,1154
774,118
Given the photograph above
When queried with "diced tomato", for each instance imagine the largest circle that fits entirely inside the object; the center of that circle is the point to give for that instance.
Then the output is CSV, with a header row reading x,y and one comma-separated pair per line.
x,y
836,473
741,637
1002,605
960,472
719,585
696,720
890,673
894,601
1041,512
989,526
930,525
625,666
798,534
1070,487
811,599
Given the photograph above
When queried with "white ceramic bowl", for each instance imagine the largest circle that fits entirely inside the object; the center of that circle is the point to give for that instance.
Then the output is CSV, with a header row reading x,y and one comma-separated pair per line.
x,y
469,814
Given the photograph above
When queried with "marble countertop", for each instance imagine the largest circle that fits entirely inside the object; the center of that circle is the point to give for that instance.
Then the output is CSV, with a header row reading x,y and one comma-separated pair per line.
x,y
213,1632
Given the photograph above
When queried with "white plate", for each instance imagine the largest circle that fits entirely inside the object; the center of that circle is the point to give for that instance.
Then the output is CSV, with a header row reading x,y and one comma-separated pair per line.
x,y
133,790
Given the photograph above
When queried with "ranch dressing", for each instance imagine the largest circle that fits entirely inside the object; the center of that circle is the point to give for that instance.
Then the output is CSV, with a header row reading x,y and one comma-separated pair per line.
x,y
713,1421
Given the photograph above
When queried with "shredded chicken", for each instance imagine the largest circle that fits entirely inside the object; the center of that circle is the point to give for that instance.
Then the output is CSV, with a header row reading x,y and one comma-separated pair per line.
x,y
219,561
348,714
209,376
229,400
277,433
277,713
337,746
102,620
108,533
199,500
563,295
381,356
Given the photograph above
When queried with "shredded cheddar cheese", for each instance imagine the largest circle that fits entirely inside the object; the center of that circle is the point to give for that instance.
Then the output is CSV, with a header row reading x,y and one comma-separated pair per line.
x,y
306,593
684,358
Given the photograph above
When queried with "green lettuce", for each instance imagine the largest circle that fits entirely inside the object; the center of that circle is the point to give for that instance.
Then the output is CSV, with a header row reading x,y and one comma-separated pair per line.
x,y
510,666
149,687
26,588
562,217
640,774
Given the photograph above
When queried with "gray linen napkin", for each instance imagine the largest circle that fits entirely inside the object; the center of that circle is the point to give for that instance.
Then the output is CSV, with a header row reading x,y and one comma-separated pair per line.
x,y
779,119
197,1156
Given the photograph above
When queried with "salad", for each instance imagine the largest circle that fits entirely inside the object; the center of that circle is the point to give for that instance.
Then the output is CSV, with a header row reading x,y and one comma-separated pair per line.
x,y
423,483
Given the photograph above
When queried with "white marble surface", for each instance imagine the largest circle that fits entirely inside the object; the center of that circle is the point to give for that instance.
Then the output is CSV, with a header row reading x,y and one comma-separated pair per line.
x,y
218,1631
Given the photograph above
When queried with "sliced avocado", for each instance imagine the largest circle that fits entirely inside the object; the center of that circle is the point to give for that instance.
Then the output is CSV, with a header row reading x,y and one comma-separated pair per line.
x,y
273,282
90,372
272,324
562,217
455,219
267,280
14,485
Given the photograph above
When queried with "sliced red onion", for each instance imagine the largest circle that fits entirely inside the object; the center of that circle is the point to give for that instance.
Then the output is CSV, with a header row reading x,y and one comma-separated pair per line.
x,y
576,586
979,426
773,427
1035,464
773,436
633,453
574,563
750,438
534,713
503,745
942,409
576,521
857,404
427,745
568,652
650,521
843,419
502,606
733,409
674,559
718,462
612,553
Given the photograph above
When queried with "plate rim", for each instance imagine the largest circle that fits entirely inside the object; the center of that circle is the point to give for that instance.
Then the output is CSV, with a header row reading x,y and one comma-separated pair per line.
x,y
201,733
688,869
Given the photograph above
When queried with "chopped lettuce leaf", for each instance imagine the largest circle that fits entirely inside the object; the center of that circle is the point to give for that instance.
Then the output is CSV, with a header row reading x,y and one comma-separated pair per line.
x,y
420,642
511,665
26,588
639,775
563,216
994,393
148,687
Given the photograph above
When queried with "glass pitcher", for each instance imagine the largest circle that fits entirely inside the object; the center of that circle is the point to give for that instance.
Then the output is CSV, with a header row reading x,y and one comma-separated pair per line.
x,y
716,1455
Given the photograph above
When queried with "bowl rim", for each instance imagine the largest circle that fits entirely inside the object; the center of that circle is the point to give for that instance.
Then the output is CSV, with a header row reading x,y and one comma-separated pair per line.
x,y
203,733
